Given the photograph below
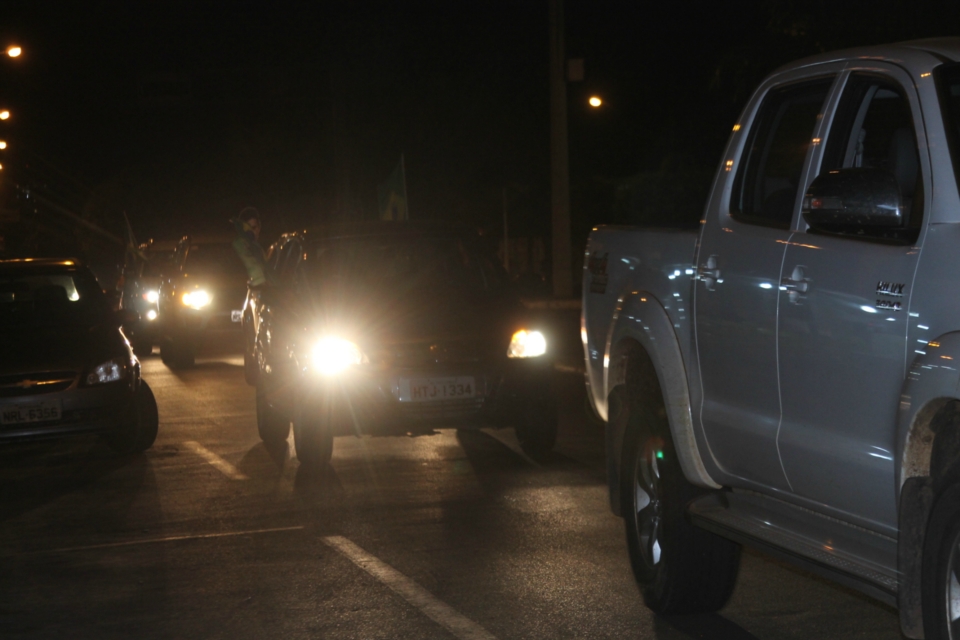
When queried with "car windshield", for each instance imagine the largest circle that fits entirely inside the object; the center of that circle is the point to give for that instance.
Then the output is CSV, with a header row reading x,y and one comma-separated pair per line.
x,y
219,258
389,265
157,263
45,299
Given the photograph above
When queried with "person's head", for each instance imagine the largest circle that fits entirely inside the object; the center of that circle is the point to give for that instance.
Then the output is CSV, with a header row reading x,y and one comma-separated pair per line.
x,y
251,218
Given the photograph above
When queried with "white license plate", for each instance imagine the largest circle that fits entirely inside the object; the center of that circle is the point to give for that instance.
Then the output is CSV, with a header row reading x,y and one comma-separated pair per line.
x,y
236,316
33,412
433,389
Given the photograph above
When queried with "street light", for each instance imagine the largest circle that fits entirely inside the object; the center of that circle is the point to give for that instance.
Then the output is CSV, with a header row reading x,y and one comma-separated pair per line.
x,y
14,51
3,144
4,115
595,101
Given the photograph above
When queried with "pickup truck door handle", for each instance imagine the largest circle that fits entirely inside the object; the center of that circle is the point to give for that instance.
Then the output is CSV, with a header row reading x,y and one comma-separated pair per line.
x,y
708,273
796,285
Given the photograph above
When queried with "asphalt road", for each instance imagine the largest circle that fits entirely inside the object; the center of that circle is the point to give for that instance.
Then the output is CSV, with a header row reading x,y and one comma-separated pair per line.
x,y
452,535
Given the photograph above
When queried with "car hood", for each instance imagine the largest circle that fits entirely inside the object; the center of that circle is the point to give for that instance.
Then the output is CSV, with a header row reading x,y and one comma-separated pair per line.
x,y
59,348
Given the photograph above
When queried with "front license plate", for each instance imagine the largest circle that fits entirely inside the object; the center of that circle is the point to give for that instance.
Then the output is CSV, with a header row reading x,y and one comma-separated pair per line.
x,y
432,389
236,315
33,412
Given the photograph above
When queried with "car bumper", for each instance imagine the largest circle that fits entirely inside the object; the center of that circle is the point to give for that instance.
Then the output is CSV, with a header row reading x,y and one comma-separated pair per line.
x,y
411,400
102,409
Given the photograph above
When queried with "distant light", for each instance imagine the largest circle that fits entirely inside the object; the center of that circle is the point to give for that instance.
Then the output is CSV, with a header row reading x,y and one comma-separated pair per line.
x,y
3,145
4,114
152,314
595,101
13,52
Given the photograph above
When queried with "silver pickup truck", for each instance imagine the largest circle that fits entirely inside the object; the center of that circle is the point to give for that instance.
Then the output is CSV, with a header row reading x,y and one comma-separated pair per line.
x,y
788,376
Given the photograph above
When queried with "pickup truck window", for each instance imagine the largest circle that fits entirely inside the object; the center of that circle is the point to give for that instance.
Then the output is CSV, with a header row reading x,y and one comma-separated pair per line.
x,y
873,128
948,77
765,190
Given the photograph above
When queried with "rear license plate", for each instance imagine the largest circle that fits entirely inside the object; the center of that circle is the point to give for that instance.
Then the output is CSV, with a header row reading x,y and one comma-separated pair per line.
x,y
236,315
33,412
432,389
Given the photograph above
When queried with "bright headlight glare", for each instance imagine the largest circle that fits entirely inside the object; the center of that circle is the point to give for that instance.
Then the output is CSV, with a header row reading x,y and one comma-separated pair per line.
x,y
151,296
333,355
196,299
152,314
527,344
109,371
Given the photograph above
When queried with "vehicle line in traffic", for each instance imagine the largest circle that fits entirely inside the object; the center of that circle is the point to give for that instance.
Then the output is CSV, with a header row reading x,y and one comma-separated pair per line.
x,y
216,461
435,609
199,536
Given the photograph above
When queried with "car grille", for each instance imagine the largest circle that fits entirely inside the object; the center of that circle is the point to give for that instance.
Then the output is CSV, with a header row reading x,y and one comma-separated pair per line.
x,y
433,352
28,384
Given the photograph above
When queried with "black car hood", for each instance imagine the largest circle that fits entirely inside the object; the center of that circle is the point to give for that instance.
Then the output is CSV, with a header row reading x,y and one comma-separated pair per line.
x,y
59,348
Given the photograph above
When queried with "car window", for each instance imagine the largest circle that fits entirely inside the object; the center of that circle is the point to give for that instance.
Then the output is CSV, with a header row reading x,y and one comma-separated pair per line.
x,y
216,258
765,190
873,128
948,83
42,299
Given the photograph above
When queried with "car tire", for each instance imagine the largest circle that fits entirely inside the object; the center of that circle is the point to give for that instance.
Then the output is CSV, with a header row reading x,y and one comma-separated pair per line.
x,y
537,430
141,432
680,568
272,425
941,564
312,437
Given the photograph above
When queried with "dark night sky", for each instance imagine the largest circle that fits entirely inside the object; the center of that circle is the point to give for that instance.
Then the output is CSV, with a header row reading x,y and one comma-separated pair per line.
x,y
180,114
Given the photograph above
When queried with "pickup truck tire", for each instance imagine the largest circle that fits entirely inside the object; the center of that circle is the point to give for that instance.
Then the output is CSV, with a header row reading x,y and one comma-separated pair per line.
x,y
941,564
537,431
313,438
680,568
272,425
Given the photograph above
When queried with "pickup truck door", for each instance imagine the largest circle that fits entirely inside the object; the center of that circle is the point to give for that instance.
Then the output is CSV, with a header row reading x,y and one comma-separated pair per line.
x,y
738,271
843,315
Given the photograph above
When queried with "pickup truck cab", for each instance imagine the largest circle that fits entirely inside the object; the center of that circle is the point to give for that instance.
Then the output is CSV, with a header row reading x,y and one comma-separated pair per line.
x,y
787,376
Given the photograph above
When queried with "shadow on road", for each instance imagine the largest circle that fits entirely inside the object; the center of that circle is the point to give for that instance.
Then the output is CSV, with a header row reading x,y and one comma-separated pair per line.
x,y
706,625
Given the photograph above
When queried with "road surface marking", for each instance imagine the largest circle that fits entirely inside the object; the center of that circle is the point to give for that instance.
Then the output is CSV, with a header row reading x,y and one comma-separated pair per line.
x,y
200,536
509,439
438,611
218,463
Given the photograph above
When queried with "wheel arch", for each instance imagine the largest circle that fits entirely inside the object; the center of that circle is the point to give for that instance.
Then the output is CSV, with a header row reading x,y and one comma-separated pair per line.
x,y
641,323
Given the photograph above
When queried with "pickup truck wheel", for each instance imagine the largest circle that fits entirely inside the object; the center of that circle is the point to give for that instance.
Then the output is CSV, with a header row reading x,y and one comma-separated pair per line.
x,y
941,566
680,568
312,438
272,425
537,431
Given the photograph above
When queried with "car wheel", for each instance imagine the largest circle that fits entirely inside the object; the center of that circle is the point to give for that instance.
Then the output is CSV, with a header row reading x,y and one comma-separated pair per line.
x,y
140,434
680,568
941,565
272,424
312,437
537,430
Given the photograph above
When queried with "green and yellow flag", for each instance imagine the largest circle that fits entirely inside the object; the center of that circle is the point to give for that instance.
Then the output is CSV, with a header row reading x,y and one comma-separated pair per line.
x,y
392,195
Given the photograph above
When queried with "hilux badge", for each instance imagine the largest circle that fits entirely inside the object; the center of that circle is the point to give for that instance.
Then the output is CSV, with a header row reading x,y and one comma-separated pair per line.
x,y
894,289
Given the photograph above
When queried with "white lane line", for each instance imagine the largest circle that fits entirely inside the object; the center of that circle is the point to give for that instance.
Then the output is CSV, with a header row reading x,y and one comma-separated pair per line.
x,y
218,463
438,611
200,536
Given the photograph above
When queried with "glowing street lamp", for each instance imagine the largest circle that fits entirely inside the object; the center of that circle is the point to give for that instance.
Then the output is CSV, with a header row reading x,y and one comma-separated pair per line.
x,y
14,51
3,144
595,101
4,115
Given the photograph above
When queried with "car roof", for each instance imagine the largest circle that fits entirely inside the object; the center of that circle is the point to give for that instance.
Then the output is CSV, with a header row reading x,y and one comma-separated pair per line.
x,y
917,56
374,228
36,265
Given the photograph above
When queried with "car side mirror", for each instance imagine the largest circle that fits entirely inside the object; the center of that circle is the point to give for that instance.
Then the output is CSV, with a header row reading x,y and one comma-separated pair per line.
x,y
855,197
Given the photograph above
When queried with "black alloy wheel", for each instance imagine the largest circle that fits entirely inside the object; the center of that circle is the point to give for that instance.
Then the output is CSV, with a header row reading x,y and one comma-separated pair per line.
x,y
941,565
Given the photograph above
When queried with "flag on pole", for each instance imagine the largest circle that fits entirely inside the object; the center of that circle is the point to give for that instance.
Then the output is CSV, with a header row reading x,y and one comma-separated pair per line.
x,y
392,195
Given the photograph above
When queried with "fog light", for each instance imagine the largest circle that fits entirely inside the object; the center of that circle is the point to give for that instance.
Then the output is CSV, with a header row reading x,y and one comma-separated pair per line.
x,y
527,344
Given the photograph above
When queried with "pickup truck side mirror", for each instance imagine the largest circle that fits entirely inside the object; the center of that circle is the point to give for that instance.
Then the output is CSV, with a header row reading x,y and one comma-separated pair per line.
x,y
855,197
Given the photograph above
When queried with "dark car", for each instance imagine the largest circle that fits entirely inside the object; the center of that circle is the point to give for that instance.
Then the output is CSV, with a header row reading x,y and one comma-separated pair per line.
x,y
387,328
140,292
202,295
66,366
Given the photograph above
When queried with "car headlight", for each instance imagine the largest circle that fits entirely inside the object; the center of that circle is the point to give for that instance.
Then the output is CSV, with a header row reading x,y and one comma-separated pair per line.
x,y
109,371
151,296
527,344
333,355
196,299
152,314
